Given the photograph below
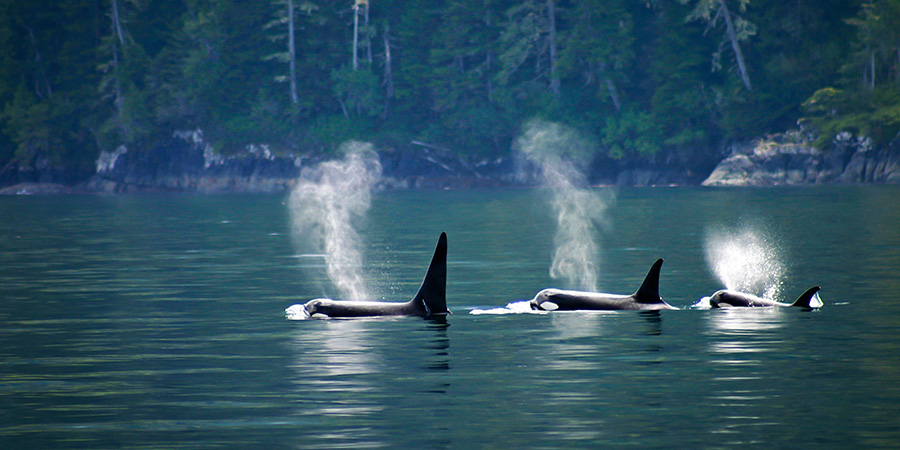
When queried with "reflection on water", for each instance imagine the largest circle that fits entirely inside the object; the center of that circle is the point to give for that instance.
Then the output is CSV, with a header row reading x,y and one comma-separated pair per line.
x,y
359,381
334,369
654,322
739,341
737,321
590,366
572,350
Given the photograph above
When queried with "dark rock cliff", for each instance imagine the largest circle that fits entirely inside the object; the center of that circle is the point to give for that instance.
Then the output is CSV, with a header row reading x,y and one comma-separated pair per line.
x,y
186,163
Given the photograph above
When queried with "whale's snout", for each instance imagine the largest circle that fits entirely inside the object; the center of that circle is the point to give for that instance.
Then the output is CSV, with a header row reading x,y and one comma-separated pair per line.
x,y
297,312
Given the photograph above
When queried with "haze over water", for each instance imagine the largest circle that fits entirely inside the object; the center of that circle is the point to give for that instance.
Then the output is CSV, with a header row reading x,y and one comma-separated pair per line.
x,y
157,322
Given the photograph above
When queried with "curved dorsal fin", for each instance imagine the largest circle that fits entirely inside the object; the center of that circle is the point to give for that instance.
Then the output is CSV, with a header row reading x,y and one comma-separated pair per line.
x,y
649,290
433,291
804,300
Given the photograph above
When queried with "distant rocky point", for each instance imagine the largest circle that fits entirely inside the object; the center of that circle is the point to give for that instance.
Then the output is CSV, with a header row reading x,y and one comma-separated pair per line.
x,y
791,159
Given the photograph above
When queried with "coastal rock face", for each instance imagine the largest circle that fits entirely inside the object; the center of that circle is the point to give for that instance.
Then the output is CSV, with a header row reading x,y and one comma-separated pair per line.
x,y
186,163
789,159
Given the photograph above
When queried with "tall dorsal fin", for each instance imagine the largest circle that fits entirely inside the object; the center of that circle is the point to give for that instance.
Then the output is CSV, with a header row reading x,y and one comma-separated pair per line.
x,y
804,300
433,291
649,290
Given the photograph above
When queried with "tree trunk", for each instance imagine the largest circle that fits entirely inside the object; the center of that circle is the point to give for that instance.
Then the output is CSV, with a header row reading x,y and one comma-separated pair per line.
x,y
488,56
344,108
735,45
368,37
292,53
872,70
40,76
388,70
118,101
388,73
551,18
611,87
355,36
117,23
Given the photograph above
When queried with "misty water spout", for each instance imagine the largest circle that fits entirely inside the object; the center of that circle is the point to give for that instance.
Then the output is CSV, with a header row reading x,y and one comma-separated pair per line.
x,y
579,210
745,260
325,204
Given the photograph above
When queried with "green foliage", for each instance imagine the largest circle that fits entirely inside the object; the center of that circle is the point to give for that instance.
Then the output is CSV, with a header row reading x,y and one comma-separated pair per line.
x,y
29,121
45,131
685,104
717,13
329,131
643,77
598,50
631,134
523,39
356,91
874,113
867,101
874,57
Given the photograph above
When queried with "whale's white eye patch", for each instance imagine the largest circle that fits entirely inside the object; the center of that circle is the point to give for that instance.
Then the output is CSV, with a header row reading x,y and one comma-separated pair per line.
x,y
549,306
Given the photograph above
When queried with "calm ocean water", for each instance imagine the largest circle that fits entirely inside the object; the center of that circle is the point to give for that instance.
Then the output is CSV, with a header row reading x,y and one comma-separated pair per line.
x,y
132,322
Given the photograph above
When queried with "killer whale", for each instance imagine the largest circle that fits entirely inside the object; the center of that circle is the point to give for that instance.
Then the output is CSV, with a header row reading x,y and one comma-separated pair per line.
x,y
726,298
430,300
646,298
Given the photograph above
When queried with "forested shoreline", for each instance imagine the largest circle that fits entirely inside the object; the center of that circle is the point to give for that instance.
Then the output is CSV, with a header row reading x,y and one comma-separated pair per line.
x,y
652,83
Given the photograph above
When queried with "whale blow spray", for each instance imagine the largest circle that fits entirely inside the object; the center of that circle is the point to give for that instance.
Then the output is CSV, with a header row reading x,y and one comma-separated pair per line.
x,y
745,260
324,204
556,150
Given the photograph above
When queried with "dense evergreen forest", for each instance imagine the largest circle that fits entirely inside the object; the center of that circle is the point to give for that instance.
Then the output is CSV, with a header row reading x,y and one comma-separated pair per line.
x,y
649,81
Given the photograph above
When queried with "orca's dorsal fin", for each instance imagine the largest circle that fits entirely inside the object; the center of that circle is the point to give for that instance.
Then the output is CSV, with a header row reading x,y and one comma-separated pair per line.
x,y
433,292
806,298
649,290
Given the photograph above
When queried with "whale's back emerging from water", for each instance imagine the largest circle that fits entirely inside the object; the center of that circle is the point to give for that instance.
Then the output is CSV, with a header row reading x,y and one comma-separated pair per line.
x,y
646,298
728,299
431,300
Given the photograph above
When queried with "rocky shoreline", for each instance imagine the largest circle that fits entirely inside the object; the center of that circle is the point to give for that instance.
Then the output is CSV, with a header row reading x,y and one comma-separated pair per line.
x,y
186,163
791,159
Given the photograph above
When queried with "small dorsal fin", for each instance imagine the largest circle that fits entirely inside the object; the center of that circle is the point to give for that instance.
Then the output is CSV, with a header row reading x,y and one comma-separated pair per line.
x,y
649,290
433,291
804,300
